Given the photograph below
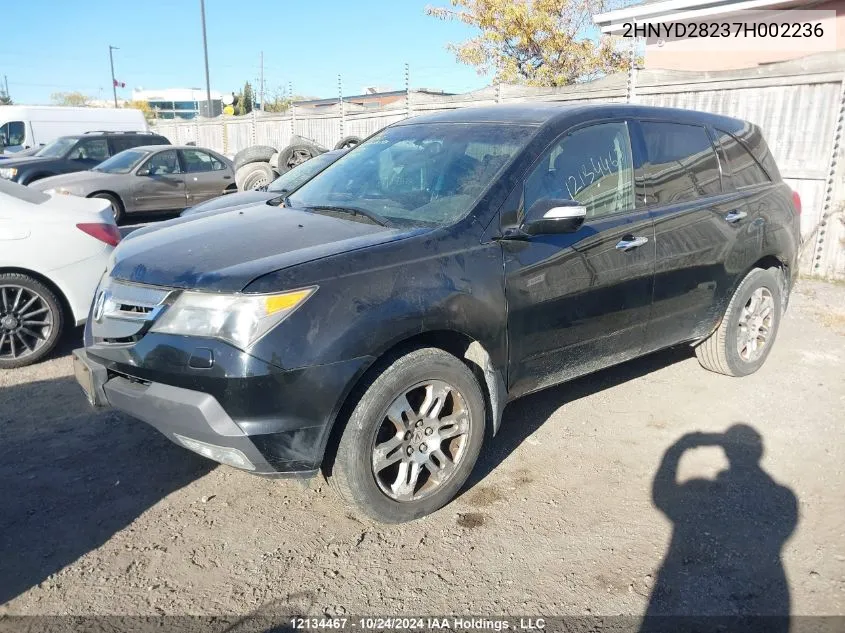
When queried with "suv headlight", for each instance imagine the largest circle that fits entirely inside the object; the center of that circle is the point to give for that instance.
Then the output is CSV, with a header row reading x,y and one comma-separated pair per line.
x,y
8,172
240,319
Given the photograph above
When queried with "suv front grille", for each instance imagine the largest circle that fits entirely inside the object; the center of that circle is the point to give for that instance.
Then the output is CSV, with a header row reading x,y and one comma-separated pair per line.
x,y
123,312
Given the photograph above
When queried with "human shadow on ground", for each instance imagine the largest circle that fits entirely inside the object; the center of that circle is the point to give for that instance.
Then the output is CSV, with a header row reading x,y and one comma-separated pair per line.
x,y
723,568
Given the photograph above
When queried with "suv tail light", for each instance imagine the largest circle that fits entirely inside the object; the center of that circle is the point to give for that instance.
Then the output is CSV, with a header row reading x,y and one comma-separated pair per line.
x,y
796,200
107,233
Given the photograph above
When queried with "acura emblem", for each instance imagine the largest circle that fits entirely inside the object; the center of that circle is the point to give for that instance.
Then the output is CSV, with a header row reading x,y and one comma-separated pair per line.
x,y
99,305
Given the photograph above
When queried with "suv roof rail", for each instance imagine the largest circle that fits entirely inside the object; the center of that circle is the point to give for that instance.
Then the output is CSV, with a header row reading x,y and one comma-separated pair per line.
x,y
119,132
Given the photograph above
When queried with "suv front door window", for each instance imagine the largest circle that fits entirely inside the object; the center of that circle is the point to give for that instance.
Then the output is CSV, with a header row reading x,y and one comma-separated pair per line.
x,y
92,151
581,299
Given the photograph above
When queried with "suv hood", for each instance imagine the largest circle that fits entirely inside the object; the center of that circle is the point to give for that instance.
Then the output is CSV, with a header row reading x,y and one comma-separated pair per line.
x,y
225,251
24,161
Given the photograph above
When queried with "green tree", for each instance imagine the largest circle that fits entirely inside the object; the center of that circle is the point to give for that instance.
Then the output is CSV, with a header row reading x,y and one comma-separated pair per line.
x,y
69,99
279,101
535,42
245,100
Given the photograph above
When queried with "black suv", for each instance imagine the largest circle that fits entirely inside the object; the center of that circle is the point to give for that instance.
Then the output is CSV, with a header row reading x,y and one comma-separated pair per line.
x,y
377,321
68,154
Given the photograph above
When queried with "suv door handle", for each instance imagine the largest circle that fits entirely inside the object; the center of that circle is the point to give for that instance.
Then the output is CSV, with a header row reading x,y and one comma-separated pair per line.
x,y
628,244
735,216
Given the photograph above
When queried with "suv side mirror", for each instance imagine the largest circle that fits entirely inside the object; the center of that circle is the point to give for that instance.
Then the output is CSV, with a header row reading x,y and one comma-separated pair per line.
x,y
551,215
144,171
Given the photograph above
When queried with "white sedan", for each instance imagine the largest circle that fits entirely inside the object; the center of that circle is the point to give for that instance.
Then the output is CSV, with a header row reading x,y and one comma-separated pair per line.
x,y
53,251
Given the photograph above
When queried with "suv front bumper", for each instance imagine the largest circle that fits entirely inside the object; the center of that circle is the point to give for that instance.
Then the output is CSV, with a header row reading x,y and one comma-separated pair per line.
x,y
286,445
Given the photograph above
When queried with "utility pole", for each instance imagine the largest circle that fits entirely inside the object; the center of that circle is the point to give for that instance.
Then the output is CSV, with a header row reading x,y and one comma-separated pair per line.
x,y
262,81
6,83
113,80
205,51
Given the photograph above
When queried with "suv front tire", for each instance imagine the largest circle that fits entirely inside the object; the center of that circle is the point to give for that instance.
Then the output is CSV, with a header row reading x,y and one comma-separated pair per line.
x,y
413,437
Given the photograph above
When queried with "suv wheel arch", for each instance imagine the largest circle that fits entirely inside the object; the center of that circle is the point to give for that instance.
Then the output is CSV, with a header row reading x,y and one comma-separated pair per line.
x,y
470,351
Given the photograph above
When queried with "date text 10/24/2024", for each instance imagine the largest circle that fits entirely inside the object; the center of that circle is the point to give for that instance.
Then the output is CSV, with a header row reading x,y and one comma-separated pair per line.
x,y
419,623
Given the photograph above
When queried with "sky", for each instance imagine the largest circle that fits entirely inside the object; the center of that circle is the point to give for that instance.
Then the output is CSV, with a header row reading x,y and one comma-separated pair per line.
x,y
52,46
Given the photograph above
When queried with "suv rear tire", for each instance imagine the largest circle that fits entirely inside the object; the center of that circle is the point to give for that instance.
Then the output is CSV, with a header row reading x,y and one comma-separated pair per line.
x,y
744,338
413,437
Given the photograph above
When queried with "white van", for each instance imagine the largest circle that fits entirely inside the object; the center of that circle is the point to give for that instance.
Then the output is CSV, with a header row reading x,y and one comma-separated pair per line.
x,y
24,127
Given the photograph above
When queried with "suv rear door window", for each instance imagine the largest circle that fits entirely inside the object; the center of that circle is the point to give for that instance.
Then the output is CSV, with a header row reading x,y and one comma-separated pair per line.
x,y
120,143
682,164
592,166
743,167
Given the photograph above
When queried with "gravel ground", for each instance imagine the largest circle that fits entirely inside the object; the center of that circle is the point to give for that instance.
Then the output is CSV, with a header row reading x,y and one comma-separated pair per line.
x,y
101,515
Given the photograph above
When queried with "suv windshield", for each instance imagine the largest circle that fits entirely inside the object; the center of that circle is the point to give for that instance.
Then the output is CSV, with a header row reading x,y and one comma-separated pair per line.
x,y
57,148
122,163
428,174
292,179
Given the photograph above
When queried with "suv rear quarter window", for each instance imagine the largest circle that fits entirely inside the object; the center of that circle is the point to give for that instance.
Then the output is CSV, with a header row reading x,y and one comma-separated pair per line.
x,y
742,165
682,163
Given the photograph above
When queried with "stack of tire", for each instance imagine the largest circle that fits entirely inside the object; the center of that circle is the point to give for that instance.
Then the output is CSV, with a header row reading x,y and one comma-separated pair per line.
x,y
259,165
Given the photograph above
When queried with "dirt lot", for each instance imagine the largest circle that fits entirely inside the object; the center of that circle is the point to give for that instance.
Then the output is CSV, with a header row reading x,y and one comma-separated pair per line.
x,y
99,514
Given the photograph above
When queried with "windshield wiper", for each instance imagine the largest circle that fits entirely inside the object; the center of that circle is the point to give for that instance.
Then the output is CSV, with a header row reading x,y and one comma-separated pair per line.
x,y
371,215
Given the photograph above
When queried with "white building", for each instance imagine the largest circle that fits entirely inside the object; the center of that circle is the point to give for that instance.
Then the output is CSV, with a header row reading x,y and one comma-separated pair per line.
x,y
179,103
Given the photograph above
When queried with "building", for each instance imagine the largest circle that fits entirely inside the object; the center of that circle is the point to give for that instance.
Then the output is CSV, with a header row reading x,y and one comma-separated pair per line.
x,y
370,99
704,54
180,103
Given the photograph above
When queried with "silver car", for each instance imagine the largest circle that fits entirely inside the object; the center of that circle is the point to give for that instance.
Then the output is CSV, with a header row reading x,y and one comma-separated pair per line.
x,y
150,178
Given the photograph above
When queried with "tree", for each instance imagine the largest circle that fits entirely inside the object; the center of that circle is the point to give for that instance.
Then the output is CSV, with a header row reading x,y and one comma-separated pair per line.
x,y
69,99
144,107
534,42
245,100
278,102
5,99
